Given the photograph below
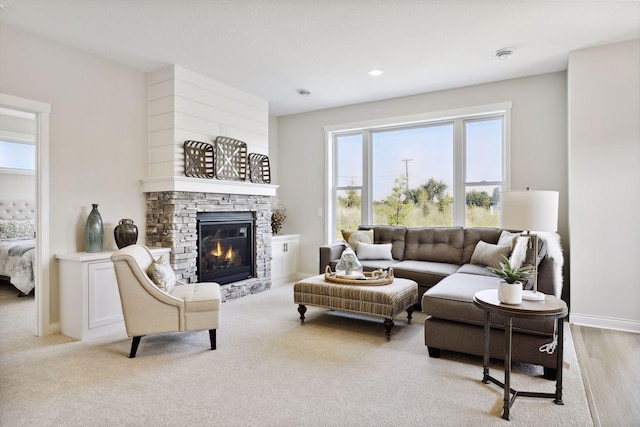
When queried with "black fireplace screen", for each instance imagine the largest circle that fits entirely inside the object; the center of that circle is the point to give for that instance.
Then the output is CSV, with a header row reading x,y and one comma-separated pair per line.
x,y
225,246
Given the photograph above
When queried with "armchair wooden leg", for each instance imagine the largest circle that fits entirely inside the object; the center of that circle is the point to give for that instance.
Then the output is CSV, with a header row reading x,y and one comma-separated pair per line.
x,y
212,338
134,347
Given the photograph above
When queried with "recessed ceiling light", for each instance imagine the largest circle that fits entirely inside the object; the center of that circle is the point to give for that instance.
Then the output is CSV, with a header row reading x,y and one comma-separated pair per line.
x,y
375,73
304,92
503,54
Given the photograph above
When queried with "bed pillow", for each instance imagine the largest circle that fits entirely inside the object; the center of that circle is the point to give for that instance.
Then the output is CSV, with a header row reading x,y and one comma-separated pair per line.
x,y
162,275
353,237
371,251
16,229
489,255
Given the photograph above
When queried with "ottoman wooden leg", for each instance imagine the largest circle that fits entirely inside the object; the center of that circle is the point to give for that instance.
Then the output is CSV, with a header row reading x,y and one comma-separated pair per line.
x,y
388,324
410,313
302,309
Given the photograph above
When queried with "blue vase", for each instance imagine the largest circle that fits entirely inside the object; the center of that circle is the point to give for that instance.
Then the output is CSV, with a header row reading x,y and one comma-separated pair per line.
x,y
94,231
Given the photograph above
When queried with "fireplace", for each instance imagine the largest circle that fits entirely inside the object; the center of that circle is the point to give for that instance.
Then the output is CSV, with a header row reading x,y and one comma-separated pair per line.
x,y
225,246
172,222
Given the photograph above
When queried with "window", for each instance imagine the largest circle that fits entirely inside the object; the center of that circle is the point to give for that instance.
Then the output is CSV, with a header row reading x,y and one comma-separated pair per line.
x,y
17,157
435,172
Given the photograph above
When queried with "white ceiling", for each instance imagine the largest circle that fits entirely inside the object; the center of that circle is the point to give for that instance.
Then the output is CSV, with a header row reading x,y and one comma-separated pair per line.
x,y
271,48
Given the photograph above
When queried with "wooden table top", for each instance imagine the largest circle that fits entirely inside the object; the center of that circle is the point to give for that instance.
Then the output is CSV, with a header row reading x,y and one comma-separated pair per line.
x,y
549,307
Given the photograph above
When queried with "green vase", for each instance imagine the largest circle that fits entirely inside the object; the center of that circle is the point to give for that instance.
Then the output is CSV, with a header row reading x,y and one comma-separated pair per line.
x,y
94,231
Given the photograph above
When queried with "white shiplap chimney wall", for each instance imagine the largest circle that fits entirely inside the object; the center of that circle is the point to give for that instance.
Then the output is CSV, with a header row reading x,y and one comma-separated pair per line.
x,y
184,106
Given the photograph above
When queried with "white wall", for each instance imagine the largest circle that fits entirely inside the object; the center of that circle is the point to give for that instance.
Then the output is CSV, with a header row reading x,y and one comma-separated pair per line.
x,y
604,185
184,105
538,132
98,136
17,186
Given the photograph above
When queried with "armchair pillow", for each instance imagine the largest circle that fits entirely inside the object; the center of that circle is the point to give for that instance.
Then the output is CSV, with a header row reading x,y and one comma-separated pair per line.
x,y
162,275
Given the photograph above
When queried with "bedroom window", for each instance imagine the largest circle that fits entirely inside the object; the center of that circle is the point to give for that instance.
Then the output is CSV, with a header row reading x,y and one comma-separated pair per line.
x,y
17,157
436,172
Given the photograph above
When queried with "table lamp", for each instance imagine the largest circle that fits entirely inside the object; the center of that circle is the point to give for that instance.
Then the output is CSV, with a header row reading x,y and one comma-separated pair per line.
x,y
530,211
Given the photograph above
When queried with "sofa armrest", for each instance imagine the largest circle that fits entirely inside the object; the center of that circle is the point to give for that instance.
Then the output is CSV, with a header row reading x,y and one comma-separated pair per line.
x,y
329,253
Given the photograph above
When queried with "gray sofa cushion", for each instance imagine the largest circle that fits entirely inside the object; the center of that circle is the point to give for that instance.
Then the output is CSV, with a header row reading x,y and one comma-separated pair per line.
x,y
475,269
436,244
452,299
425,273
473,235
374,264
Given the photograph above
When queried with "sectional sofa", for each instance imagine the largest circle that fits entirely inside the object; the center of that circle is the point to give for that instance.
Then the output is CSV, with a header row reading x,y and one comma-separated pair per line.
x,y
449,271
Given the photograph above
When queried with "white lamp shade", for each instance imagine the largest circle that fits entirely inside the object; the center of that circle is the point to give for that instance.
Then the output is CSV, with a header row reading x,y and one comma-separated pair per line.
x,y
529,210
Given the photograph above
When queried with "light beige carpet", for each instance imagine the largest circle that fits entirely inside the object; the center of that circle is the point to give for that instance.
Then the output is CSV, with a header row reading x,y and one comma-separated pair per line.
x,y
268,370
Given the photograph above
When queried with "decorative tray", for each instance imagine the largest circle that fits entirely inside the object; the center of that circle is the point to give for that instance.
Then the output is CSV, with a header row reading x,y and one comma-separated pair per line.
x,y
231,159
372,278
198,159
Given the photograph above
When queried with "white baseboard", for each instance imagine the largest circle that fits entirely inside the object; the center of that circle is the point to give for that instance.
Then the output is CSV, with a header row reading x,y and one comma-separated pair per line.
x,y
283,280
52,329
605,322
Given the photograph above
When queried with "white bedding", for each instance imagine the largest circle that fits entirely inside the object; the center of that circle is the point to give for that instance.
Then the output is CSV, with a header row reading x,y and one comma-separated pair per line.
x,y
18,265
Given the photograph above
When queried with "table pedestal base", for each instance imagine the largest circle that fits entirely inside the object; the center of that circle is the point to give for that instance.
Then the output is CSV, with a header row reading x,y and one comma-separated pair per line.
x,y
510,394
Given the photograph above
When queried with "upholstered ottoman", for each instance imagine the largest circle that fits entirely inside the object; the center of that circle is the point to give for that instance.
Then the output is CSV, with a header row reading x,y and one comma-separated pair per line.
x,y
386,301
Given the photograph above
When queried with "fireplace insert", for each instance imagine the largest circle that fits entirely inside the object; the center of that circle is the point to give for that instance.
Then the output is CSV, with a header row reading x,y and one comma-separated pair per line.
x,y
225,246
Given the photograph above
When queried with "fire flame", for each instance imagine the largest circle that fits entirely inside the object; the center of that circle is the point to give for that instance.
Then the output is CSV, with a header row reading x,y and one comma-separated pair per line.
x,y
217,252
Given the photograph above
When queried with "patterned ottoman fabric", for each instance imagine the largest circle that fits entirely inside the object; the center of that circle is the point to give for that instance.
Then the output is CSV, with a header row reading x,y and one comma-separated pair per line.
x,y
386,301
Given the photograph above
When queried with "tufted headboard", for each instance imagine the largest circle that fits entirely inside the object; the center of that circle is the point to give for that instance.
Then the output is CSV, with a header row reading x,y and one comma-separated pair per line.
x,y
17,209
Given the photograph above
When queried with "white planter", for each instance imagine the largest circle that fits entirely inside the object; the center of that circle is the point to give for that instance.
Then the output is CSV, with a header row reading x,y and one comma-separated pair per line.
x,y
510,293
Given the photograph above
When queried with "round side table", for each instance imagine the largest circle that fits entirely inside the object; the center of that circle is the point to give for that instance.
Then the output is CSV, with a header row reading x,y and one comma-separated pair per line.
x,y
550,308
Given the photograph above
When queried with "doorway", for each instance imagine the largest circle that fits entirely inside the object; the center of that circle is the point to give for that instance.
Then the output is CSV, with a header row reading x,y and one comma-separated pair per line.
x,y
42,113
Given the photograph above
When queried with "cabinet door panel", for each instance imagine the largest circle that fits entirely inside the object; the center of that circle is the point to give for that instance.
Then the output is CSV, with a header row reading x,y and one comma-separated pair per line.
x,y
104,299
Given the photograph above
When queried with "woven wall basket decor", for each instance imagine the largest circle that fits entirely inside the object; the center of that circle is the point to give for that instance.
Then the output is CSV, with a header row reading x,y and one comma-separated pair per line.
x,y
198,159
230,159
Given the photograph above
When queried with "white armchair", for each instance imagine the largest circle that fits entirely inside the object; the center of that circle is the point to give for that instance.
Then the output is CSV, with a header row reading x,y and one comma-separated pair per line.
x,y
149,310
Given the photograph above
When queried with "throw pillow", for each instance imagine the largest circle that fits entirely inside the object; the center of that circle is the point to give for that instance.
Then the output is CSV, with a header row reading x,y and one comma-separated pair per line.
x,y
370,251
16,229
161,273
353,237
488,254
508,238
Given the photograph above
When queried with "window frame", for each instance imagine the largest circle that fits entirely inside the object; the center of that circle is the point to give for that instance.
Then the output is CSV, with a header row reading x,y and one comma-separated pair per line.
x,y
457,116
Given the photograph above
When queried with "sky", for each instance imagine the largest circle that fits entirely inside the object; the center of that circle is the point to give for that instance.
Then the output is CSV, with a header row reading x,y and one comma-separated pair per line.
x,y
423,153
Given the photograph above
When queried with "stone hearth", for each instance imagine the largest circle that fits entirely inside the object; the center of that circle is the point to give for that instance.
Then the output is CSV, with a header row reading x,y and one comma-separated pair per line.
x,y
171,223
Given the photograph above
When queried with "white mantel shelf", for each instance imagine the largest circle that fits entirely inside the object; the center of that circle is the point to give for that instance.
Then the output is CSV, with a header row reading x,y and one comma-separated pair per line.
x,y
199,185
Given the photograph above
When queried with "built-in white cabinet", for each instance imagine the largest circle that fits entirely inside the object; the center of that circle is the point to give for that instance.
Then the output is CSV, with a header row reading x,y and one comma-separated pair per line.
x,y
284,262
89,297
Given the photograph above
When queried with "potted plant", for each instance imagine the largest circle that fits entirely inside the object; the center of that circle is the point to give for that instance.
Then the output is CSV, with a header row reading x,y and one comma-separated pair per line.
x,y
510,286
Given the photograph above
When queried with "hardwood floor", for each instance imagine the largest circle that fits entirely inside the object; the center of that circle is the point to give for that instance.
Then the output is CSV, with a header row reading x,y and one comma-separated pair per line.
x,y
610,366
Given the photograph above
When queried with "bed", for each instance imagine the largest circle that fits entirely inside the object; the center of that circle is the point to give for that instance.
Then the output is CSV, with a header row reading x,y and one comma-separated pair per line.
x,y
17,243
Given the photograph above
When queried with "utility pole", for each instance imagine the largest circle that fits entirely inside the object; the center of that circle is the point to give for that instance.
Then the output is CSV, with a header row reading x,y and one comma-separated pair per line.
x,y
406,170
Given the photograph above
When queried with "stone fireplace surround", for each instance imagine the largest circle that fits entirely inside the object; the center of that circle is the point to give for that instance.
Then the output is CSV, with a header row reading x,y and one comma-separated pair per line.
x,y
171,223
